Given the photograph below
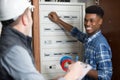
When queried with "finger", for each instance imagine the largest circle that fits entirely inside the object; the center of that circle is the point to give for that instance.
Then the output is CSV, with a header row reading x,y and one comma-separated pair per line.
x,y
50,16
72,62
69,67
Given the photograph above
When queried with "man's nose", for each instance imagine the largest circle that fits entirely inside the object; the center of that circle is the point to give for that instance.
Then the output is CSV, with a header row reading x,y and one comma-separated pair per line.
x,y
87,23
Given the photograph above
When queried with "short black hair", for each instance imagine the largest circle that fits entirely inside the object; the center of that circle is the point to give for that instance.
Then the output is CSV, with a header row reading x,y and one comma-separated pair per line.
x,y
95,9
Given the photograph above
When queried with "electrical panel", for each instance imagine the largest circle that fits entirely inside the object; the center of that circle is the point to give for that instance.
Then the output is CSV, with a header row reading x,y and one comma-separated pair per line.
x,y
55,42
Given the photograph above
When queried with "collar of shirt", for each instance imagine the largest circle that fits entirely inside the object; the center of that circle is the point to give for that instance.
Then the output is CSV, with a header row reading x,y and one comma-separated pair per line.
x,y
8,30
89,39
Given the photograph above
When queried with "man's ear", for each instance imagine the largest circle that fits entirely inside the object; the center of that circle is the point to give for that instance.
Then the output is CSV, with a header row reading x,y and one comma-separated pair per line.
x,y
100,21
25,18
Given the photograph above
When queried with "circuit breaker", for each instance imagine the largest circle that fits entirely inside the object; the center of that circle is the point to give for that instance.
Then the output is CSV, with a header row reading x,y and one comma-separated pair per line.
x,y
55,42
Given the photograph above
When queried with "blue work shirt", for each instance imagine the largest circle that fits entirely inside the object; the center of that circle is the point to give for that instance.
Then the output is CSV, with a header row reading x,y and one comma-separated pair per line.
x,y
97,53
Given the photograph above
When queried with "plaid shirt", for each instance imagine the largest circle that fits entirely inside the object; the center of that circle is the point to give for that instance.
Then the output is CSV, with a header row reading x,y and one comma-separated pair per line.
x,y
97,53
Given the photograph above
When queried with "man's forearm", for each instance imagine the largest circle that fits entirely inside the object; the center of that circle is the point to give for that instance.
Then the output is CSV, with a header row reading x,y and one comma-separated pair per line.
x,y
66,26
93,74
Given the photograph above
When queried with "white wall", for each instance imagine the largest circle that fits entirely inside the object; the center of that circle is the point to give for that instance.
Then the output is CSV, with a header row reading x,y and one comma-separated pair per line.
x,y
88,2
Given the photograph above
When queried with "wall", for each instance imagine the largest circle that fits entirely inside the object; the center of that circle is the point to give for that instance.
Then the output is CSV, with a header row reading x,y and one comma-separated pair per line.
x,y
88,2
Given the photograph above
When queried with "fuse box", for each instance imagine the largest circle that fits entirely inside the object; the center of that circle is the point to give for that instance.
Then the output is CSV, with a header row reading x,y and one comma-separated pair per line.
x,y
55,42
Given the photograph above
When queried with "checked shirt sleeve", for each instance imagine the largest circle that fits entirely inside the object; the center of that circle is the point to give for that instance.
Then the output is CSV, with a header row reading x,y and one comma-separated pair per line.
x,y
78,34
104,63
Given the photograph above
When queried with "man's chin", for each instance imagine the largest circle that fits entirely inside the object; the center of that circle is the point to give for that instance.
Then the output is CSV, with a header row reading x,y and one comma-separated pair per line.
x,y
89,33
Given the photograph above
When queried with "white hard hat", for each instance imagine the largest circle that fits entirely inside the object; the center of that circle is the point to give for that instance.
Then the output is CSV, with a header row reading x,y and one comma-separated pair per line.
x,y
10,9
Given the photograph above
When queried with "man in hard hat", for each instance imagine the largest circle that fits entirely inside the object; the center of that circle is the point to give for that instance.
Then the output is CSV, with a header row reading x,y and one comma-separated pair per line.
x,y
16,58
97,51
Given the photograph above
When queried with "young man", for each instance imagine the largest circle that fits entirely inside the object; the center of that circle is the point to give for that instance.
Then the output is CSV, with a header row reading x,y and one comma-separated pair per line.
x,y
16,58
97,51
